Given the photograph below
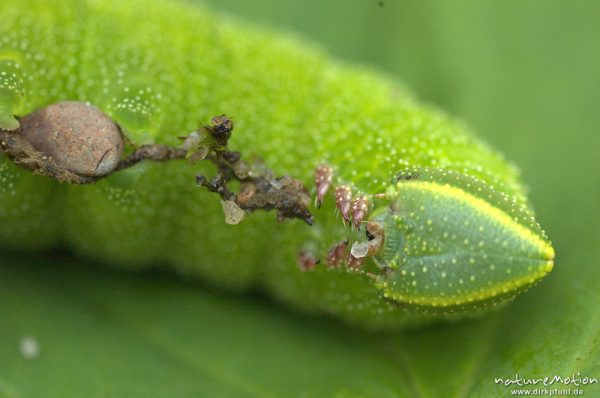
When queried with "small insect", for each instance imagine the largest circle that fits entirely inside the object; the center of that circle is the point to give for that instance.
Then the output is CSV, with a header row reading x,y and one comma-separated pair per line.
x,y
337,254
307,260
343,201
323,177
69,140
360,209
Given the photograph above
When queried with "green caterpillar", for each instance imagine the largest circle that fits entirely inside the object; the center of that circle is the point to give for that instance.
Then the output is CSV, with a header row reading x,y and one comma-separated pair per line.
x,y
441,220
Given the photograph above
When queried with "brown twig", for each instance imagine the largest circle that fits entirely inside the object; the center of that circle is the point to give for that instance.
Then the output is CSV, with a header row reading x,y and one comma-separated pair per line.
x,y
155,152
260,188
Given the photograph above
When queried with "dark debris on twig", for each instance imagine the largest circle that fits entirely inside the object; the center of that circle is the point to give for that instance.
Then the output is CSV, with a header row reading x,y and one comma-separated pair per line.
x,y
260,188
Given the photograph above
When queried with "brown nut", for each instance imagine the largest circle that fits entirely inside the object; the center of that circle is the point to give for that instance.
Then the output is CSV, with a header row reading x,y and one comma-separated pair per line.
x,y
78,137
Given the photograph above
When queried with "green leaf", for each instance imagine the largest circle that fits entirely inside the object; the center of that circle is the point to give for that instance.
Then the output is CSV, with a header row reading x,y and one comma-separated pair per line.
x,y
108,333
104,333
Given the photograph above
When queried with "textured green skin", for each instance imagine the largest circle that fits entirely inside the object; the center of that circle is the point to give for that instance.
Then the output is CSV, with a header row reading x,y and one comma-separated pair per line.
x,y
454,244
292,106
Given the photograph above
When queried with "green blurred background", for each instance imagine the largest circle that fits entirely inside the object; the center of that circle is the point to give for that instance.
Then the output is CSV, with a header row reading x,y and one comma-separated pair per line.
x,y
524,74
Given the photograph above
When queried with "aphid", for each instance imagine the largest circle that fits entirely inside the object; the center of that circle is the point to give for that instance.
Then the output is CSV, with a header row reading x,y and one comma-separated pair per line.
x,y
360,210
343,201
323,177
307,260
337,254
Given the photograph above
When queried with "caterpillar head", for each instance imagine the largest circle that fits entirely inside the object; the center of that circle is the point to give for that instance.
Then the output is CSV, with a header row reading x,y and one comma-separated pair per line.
x,y
451,243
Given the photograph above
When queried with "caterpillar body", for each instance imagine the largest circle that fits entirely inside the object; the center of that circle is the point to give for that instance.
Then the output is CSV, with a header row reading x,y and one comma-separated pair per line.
x,y
449,231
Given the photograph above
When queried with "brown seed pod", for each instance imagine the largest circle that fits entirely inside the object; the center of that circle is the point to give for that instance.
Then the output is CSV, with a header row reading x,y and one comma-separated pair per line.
x,y
75,137
79,137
